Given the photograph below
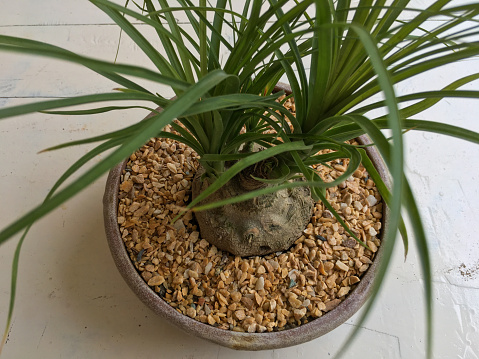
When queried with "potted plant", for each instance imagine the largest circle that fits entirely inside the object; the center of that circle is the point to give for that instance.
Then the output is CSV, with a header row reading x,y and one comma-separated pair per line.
x,y
224,89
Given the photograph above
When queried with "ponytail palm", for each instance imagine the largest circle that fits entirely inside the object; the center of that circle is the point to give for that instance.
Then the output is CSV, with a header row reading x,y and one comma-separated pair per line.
x,y
342,61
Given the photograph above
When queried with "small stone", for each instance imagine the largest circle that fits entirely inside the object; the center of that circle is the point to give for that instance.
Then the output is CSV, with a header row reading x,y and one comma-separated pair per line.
x,y
192,274
331,304
295,302
343,291
372,231
240,314
156,280
126,186
371,200
191,312
372,246
327,214
348,199
179,225
353,280
292,283
208,267
328,266
260,283
274,264
331,281
268,267
177,177
340,265
134,206
180,195
260,328
251,328
272,305
172,167
364,268
310,243
141,211
236,297
261,270
316,313
358,205
366,260
258,298
299,313
248,303
178,279
138,179
349,243
321,268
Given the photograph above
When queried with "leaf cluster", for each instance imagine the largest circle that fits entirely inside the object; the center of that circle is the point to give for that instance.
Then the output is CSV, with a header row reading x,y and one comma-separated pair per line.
x,y
338,59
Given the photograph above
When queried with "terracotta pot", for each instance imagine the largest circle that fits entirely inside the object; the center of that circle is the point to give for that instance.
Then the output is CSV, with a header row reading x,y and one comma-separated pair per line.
x,y
231,339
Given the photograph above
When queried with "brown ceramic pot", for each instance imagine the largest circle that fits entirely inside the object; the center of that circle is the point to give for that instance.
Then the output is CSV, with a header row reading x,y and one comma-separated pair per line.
x,y
231,339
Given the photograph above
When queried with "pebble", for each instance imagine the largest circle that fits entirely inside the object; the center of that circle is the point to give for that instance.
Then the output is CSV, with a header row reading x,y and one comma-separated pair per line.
x,y
191,312
371,200
172,167
240,314
260,283
340,265
343,291
372,246
299,313
257,294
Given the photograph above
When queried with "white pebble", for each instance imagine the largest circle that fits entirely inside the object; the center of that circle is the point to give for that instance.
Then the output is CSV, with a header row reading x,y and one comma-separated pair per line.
x,y
358,205
208,267
371,200
274,264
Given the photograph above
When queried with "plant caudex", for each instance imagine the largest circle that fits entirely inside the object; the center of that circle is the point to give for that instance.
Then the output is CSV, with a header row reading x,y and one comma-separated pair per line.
x,y
336,56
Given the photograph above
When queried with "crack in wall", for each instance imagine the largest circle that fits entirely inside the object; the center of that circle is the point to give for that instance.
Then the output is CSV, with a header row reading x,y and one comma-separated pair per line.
x,y
379,332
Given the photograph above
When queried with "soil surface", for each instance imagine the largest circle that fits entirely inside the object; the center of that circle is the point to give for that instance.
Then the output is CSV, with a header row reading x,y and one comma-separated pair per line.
x,y
254,294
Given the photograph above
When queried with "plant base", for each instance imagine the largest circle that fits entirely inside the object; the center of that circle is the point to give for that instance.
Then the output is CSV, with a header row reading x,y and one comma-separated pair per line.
x,y
263,225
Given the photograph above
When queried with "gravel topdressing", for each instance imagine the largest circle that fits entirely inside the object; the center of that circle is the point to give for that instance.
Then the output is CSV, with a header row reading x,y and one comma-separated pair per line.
x,y
255,294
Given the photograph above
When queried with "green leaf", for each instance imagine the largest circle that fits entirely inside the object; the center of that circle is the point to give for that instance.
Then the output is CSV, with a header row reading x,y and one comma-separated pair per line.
x,y
423,252
73,101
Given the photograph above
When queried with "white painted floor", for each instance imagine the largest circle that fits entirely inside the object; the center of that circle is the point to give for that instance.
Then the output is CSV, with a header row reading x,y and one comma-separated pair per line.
x,y
72,303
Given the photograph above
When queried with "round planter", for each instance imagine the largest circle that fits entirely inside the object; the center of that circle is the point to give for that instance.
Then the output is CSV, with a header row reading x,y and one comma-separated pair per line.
x,y
228,338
